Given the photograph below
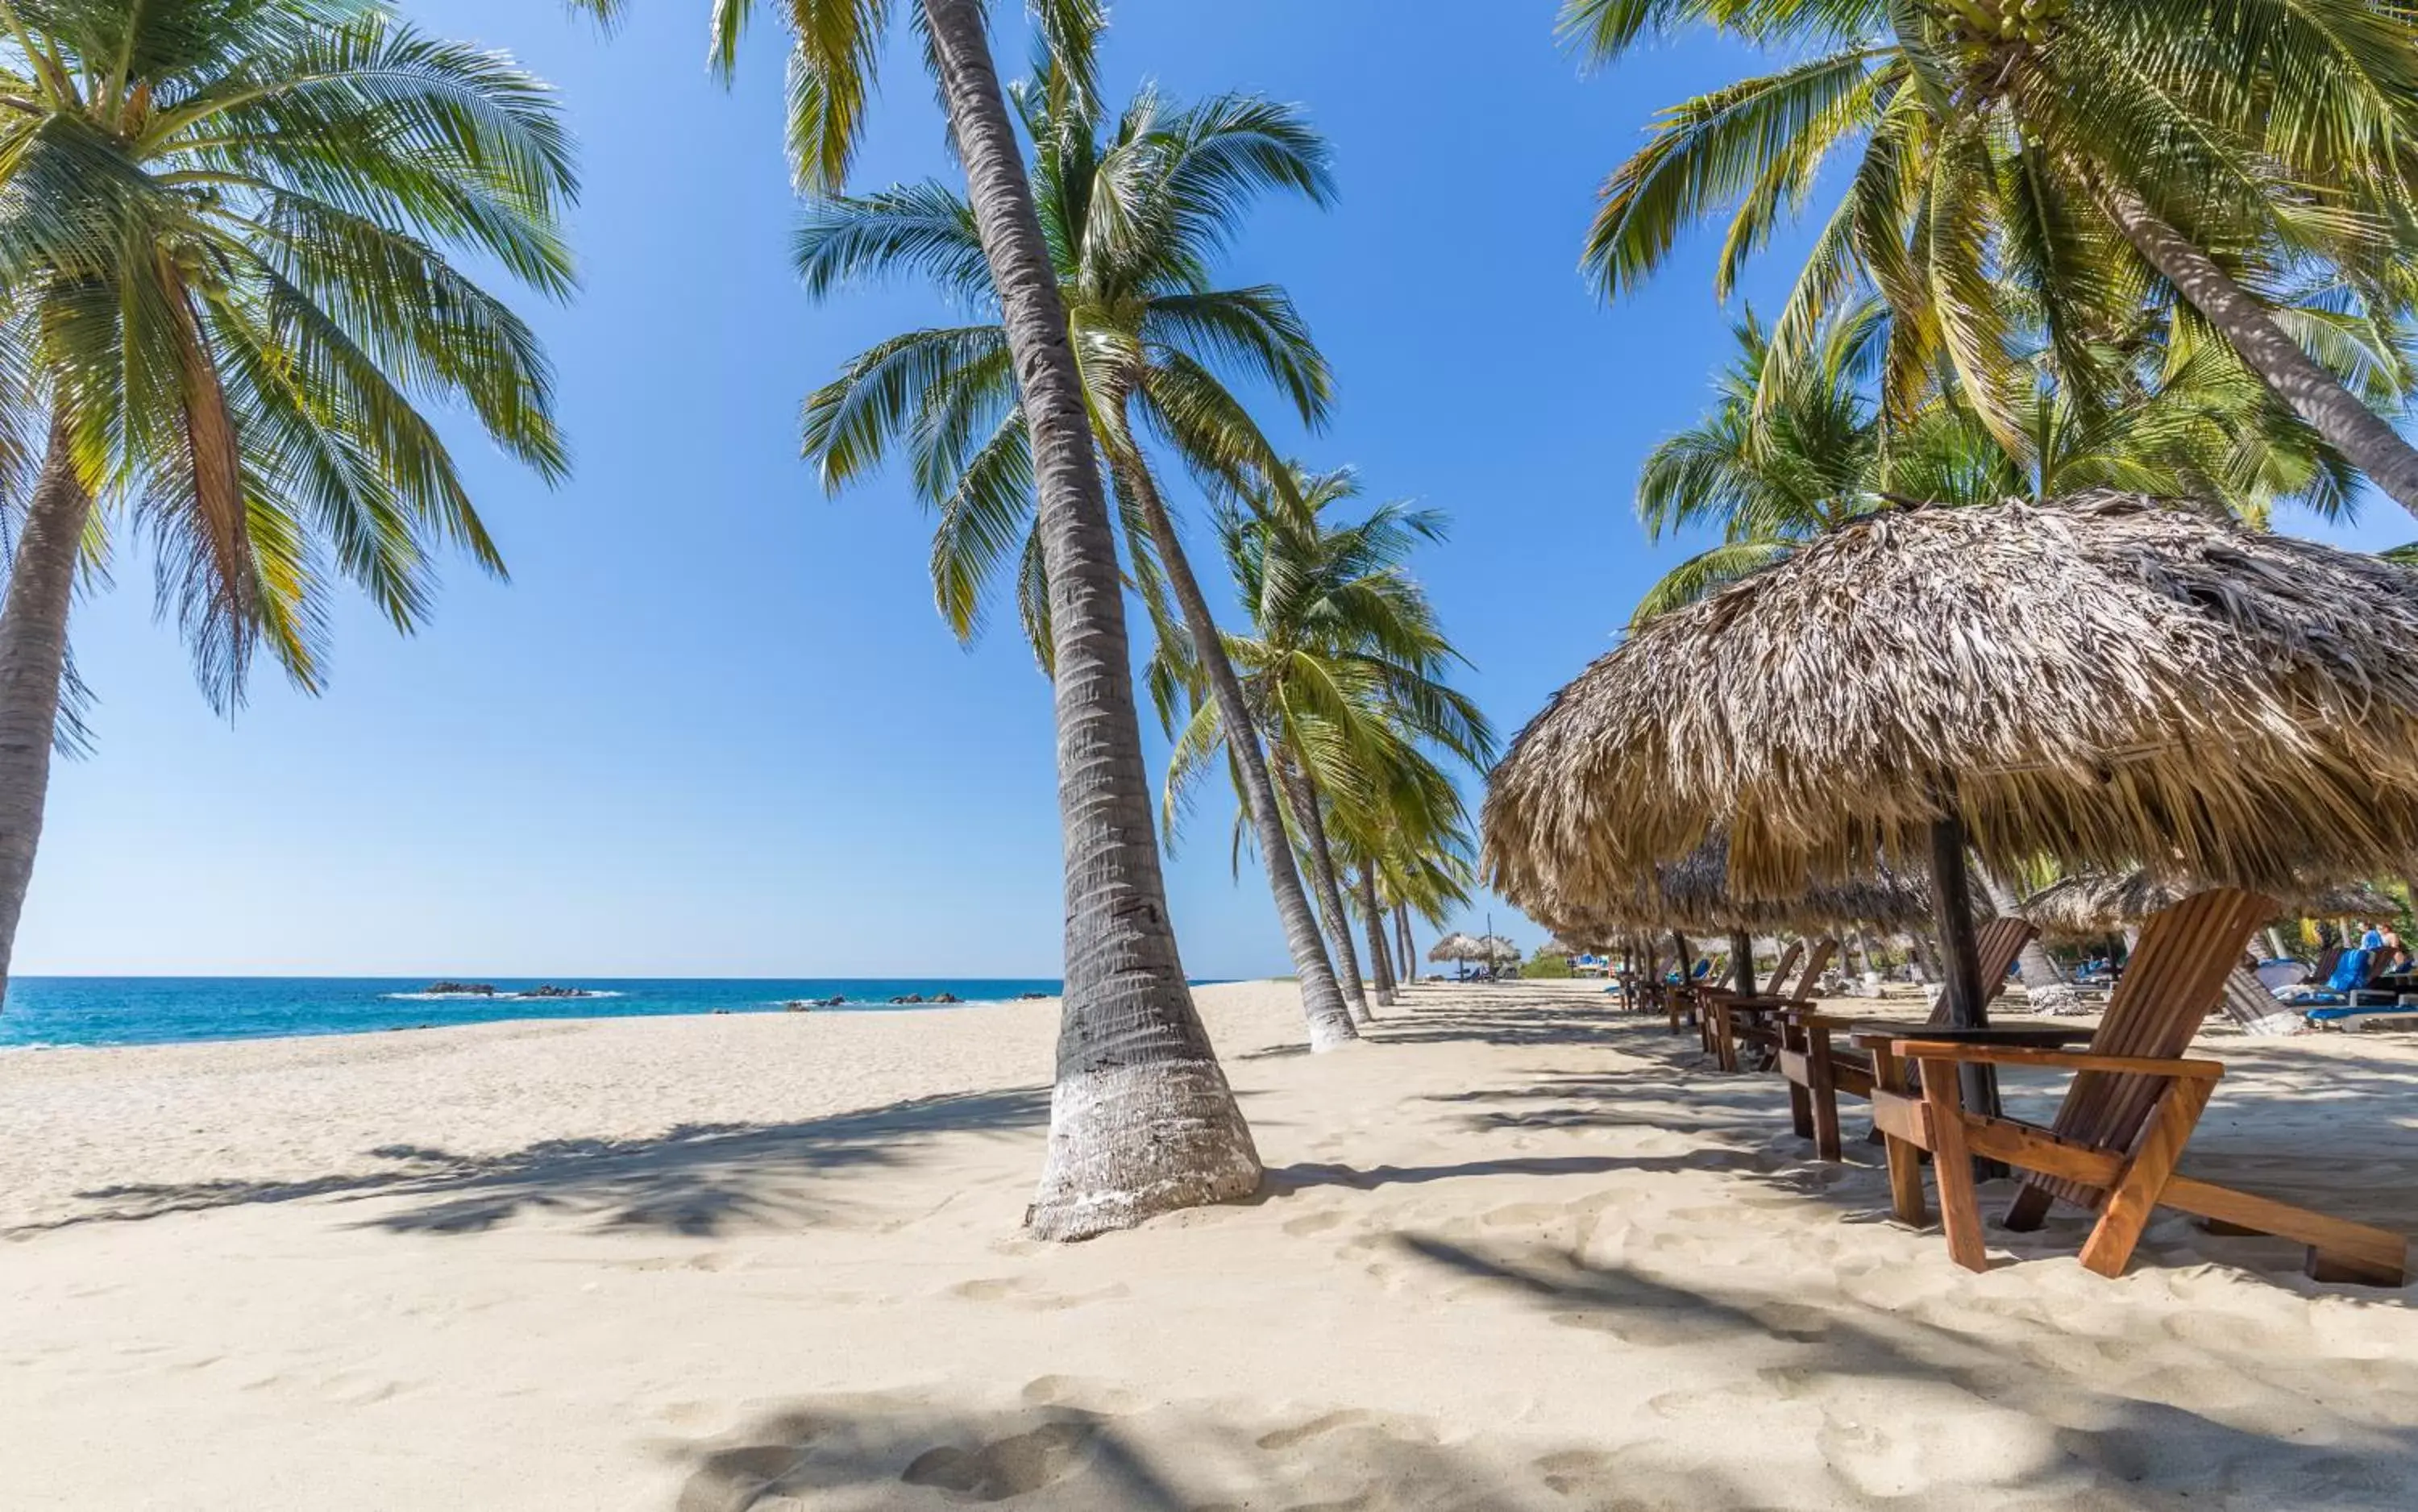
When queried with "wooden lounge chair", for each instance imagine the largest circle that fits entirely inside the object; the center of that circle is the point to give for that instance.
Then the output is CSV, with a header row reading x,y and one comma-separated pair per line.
x,y
1713,1022
1736,1021
1819,1069
2126,1118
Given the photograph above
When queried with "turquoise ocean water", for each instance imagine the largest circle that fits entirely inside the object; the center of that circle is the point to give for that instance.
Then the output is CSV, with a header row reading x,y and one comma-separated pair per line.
x,y
91,1010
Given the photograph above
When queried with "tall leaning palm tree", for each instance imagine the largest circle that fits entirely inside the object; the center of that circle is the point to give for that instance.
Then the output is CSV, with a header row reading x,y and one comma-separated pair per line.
x,y
1133,212
1141,1120
225,292
2070,153
1344,670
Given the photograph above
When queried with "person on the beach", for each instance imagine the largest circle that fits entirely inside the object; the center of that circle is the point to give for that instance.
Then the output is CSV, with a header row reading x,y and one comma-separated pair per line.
x,y
2394,958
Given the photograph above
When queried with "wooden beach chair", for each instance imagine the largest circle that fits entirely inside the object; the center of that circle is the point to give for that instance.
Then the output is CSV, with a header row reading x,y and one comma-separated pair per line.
x,y
1680,998
1819,1069
1712,1022
2127,1115
1736,1021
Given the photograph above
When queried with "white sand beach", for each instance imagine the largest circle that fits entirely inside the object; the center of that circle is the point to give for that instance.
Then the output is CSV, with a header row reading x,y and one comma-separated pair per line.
x,y
1521,1252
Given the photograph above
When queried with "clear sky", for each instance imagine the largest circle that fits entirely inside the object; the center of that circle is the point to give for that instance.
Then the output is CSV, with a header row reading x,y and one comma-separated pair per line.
x,y
713,726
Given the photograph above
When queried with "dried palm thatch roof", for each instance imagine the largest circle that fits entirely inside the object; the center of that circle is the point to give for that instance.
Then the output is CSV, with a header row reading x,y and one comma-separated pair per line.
x,y
1496,948
2094,904
2103,680
1456,947
1692,895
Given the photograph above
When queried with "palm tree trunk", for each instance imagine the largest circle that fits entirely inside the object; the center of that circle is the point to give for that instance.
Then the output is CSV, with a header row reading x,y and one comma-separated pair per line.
x,y
1322,999
1330,894
1408,956
2034,964
33,658
1141,1121
1372,918
2373,446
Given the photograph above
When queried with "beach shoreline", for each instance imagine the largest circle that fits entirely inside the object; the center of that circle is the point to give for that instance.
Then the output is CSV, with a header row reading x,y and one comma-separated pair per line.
x,y
53,1012
1521,1250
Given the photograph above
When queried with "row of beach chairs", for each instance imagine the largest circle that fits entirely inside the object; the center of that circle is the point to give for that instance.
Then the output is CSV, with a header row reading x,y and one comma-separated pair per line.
x,y
2113,1147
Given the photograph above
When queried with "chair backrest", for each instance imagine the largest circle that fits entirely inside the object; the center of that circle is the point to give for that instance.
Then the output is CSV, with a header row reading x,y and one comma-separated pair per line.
x,y
1815,964
1703,966
2327,960
1779,978
2001,941
1997,944
2174,981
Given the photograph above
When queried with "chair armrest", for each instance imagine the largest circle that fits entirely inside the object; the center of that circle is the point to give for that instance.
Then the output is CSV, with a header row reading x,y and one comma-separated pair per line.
x,y
2019,1054
1766,1001
1875,1034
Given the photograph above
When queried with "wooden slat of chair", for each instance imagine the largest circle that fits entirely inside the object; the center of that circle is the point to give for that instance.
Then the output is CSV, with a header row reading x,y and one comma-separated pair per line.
x,y
2002,939
2159,1006
2126,1118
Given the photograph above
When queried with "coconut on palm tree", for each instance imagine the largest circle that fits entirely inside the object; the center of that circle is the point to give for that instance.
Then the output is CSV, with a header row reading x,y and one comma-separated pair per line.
x,y
2071,156
1141,1121
1133,212
226,233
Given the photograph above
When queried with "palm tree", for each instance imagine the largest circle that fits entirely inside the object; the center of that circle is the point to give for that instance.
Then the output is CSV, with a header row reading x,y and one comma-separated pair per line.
x,y
1410,818
1142,1121
224,291
1798,444
2076,155
1132,221
1343,671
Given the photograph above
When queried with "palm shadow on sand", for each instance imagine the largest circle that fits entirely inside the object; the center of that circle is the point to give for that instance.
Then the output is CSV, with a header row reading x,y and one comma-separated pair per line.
x,y
699,1179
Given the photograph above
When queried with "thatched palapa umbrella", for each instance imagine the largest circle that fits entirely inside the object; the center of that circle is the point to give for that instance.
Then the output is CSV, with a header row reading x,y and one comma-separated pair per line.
x,y
2103,680
1457,948
1498,948
2093,906
1691,895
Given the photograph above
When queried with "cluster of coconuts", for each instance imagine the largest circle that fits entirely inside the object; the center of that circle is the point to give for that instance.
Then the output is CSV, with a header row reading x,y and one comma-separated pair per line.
x,y
2003,21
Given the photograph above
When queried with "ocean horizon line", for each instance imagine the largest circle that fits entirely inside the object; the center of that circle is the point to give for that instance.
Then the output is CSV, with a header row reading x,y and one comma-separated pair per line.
x,y
47,1011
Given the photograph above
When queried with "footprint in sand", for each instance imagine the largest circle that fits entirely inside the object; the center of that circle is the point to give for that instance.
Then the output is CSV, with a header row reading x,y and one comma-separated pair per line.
x,y
1578,1472
1100,1398
1870,1459
1647,1328
1017,1291
1312,1223
1523,1215
1287,1437
1007,1467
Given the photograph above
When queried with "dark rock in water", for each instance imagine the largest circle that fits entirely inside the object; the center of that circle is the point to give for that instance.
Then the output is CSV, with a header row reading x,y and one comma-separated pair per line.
x,y
834,1000
1033,997
799,1005
946,996
460,989
908,1001
719,1011
558,992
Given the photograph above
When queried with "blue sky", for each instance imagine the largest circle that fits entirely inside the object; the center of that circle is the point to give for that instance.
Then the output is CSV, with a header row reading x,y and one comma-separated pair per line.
x,y
713,726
